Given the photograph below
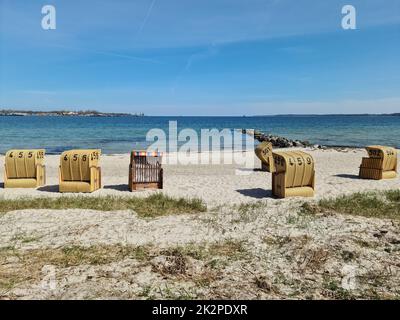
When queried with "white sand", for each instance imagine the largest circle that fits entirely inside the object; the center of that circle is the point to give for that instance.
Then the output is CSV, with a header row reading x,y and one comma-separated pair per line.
x,y
297,256
336,173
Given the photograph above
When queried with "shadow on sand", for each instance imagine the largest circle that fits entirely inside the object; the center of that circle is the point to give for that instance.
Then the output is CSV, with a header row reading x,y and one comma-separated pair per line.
x,y
258,170
118,187
347,176
50,188
55,188
256,193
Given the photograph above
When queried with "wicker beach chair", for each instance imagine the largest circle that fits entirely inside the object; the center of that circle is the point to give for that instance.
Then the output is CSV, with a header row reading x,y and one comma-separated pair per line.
x,y
294,174
264,153
145,170
24,169
381,163
80,171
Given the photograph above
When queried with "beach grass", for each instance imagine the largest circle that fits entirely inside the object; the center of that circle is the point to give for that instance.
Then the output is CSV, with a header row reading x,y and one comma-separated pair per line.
x,y
384,204
152,206
29,264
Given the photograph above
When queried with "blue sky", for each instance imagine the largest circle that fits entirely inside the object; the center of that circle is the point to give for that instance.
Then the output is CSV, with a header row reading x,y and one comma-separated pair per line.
x,y
209,57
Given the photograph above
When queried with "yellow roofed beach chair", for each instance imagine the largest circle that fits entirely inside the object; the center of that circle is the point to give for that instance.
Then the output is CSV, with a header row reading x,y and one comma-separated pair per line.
x,y
24,169
381,163
80,171
294,174
264,153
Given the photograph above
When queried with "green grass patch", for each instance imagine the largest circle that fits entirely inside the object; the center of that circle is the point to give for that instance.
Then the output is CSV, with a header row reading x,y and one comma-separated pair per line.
x,y
152,206
385,204
393,196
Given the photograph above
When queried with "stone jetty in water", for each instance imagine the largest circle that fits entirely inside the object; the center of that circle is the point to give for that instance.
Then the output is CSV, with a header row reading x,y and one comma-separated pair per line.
x,y
278,141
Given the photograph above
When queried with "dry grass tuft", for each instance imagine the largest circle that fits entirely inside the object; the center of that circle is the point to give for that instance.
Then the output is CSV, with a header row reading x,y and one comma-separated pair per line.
x,y
152,206
385,204
195,263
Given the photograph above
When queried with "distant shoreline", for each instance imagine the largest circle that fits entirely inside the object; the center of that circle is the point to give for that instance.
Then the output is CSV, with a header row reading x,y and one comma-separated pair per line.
x,y
24,113
331,114
63,113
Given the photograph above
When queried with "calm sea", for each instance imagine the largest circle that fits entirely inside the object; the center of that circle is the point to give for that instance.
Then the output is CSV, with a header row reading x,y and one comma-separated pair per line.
x,y
122,134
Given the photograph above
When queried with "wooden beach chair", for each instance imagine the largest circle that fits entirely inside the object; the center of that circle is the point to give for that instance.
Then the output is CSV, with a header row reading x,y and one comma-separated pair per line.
x,y
264,153
80,171
294,174
24,169
145,170
381,163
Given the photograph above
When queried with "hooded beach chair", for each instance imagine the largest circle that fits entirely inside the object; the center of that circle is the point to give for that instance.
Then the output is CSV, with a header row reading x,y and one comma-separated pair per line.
x,y
264,153
294,174
24,169
80,171
381,163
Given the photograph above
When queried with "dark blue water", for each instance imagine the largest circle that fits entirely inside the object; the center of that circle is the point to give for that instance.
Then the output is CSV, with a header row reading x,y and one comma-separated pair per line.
x,y
122,134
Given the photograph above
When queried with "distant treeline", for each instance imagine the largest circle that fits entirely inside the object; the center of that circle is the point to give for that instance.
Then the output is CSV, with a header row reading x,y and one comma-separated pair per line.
x,y
63,113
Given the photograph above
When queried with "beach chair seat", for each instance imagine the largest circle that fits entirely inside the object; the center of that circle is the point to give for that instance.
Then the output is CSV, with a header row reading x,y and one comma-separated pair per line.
x,y
294,174
24,169
376,174
381,163
145,170
80,171
264,152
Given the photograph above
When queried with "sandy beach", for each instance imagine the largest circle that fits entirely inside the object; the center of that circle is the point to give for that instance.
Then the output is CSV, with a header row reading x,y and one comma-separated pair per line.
x,y
248,245
209,84
336,173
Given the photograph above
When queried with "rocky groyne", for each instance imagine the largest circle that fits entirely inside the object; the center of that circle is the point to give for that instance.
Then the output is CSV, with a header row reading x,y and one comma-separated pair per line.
x,y
278,141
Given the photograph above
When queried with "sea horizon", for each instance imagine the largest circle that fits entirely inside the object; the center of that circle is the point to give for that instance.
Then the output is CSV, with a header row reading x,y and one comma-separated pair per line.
x,y
37,113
